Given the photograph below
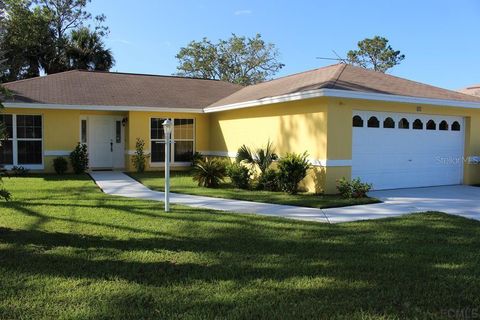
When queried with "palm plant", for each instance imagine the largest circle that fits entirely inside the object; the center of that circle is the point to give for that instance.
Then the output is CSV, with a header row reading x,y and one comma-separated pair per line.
x,y
86,51
261,157
209,172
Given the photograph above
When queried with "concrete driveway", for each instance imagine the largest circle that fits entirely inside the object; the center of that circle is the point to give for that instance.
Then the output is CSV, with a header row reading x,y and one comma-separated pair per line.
x,y
459,200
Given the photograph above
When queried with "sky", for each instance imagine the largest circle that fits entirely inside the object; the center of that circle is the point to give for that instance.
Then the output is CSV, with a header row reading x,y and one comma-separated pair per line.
x,y
440,39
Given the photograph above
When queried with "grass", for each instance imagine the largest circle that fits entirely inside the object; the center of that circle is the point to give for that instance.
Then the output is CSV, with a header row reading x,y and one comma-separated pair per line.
x,y
68,251
182,182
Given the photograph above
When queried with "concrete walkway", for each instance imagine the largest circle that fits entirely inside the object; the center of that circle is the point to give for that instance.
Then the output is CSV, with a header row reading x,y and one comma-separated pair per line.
x,y
459,200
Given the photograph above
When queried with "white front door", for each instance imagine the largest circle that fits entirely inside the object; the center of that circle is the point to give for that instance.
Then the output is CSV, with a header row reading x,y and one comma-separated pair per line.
x,y
429,151
106,145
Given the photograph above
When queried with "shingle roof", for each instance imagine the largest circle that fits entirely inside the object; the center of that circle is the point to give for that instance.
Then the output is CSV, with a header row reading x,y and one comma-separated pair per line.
x,y
473,90
120,89
342,77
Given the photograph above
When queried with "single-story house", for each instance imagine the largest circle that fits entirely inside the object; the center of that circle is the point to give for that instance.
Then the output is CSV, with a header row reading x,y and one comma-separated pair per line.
x,y
389,131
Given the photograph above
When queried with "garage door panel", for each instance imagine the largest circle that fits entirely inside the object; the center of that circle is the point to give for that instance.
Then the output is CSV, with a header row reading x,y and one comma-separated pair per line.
x,y
401,158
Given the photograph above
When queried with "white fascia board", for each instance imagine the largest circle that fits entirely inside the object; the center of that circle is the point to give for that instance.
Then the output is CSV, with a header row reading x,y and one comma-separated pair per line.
x,y
335,93
21,105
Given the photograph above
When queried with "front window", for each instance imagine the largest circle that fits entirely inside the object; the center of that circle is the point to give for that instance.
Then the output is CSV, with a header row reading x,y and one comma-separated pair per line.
x,y
23,145
182,138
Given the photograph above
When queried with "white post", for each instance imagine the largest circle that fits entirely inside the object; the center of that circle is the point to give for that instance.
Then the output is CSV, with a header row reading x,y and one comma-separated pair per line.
x,y
167,126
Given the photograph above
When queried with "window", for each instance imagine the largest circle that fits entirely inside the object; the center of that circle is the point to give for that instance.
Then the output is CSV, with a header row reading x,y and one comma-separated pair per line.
x,y
389,123
357,122
431,125
418,124
83,131
403,124
24,142
443,125
29,139
6,146
373,122
182,137
118,131
455,126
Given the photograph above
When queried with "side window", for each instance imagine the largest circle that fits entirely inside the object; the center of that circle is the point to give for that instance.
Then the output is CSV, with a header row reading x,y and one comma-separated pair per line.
x,y
418,124
389,123
403,124
431,125
357,122
118,131
373,122
83,131
443,125
456,126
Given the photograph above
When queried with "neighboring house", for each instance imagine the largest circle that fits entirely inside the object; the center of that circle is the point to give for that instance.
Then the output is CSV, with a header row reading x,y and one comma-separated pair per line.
x,y
353,122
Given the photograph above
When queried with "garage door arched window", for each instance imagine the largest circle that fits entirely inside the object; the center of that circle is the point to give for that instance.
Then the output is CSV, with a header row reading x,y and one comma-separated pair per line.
x,y
357,122
456,126
373,122
403,124
443,126
418,124
431,125
389,123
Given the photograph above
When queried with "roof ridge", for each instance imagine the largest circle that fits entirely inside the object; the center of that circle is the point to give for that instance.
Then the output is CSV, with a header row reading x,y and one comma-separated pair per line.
x,y
303,72
408,80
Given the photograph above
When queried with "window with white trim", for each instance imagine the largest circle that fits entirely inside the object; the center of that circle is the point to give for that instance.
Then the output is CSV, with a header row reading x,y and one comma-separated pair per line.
x,y
24,144
183,138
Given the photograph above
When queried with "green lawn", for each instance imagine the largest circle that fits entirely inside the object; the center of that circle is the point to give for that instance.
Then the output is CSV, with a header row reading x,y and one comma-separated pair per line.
x,y
67,251
182,182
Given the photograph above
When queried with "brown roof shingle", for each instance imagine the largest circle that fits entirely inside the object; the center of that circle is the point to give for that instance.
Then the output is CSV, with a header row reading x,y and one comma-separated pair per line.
x,y
120,89
342,77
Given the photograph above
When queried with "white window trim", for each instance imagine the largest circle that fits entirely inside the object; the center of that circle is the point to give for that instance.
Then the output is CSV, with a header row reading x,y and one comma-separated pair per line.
x,y
172,153
15,141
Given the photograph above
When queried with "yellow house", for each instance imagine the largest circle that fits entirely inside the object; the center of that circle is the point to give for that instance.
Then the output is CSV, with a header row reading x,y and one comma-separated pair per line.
x,y
391,132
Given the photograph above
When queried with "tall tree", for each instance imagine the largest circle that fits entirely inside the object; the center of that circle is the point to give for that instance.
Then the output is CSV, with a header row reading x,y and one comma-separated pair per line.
x,y
376,54
87,51
238,60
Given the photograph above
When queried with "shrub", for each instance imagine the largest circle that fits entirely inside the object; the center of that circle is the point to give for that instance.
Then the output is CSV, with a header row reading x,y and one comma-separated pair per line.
x,y
139,158
197,156
268,181
79,158
209,172
291,170
19,171
262,157
4,193
60,165
353,189
240,175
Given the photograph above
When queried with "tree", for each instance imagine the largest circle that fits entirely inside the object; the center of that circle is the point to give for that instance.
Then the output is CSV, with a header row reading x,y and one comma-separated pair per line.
x,y
375,54
238,60
87,51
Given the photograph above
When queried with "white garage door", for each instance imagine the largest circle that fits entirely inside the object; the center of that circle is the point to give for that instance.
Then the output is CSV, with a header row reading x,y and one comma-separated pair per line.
x,y
393,150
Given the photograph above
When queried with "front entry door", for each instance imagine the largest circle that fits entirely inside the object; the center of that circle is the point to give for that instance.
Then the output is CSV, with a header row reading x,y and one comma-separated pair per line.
x,y
106,142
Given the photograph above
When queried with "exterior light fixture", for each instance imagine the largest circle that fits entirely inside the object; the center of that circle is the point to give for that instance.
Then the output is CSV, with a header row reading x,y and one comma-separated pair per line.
x,y
167,127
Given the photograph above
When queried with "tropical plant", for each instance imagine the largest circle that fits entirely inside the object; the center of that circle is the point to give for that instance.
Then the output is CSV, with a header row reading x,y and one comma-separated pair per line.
x,y
197,156
291,170
79,158
239,175
268,181
209,172
60,165
261,158
353,189
139,159
87,51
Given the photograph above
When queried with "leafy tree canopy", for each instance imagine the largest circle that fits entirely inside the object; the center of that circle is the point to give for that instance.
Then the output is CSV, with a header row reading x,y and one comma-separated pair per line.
x,y
375,54
238,60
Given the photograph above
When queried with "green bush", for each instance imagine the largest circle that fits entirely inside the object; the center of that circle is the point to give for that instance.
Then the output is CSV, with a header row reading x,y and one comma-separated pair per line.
x,y
79,158
4,193
268,181
353,189
60,165
239,174
19,171
209,172
291,170
197,156
139,158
